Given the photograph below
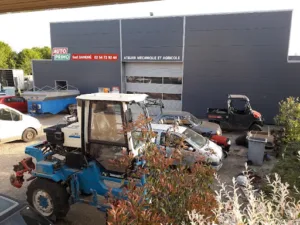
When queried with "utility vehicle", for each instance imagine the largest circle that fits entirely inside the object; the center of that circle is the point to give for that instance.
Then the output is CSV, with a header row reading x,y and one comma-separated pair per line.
x,y
237,116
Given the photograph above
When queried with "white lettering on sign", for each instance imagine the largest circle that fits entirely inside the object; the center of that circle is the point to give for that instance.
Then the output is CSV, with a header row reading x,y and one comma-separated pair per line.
x,y
153,58
59,51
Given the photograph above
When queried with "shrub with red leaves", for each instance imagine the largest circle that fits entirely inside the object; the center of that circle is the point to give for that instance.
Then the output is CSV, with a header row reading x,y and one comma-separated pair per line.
x,y
169,193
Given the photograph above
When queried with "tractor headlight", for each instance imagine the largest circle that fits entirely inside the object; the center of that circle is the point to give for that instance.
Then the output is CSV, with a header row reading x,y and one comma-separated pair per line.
x,y
219,132
229,142
39,106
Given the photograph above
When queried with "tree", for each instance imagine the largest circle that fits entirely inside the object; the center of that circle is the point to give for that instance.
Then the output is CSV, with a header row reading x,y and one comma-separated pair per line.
x,y
5,54
25,57
45,52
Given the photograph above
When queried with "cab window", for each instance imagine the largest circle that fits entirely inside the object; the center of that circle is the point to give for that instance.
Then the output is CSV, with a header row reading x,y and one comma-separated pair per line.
x,y
106,123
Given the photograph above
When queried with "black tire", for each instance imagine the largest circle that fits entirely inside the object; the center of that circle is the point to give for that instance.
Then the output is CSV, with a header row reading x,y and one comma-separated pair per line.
x,y
255,127
56,195
242,140
29,135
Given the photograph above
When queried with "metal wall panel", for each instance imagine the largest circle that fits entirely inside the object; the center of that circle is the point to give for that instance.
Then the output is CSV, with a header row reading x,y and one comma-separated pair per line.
x,y
238,54
152,37
86,76
83,37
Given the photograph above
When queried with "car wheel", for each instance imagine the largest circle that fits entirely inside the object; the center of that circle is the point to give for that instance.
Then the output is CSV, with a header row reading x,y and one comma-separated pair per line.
x,y
50,199
29,135
255,127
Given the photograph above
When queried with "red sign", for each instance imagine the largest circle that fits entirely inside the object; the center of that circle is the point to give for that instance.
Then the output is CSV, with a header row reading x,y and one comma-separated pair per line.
x,y
60,51
95,57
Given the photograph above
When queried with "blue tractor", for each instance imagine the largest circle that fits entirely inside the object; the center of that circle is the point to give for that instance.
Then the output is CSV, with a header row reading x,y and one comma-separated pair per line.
x,y
75,161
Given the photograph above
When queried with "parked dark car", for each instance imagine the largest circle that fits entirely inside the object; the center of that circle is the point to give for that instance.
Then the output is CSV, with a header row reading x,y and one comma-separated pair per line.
x,y
13,212
15,102
210,130
237,116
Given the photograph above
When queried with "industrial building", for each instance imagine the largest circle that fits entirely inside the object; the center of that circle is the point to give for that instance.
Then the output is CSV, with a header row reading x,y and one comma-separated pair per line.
x,y
190,62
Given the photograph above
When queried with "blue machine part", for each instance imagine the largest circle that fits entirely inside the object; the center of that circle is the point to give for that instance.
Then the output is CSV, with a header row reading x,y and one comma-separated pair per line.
x,y
88,179
53,106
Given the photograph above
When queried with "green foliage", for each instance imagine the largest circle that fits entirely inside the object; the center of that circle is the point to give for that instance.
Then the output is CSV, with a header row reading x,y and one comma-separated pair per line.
x,y
5,54
45,52
25,58
289,118
288,166
22,60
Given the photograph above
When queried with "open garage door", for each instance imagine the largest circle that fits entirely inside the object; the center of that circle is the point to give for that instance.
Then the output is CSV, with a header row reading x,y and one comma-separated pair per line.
x,y
158,80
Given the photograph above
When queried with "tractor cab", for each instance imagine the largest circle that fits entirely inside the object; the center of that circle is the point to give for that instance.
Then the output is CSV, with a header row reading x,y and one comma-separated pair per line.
x,y
103,121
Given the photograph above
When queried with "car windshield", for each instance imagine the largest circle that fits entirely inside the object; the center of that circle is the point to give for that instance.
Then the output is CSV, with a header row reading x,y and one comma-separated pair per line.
x,y
198,139
195,120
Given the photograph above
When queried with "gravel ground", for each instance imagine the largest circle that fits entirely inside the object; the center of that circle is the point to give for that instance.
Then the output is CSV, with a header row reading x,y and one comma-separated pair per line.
x,y
12,153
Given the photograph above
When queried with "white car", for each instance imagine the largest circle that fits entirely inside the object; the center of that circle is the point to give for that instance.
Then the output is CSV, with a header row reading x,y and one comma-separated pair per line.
x,y
15,125
196,144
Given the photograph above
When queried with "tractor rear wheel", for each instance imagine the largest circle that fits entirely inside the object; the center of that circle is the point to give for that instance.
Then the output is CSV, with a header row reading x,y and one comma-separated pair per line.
x,y
50,199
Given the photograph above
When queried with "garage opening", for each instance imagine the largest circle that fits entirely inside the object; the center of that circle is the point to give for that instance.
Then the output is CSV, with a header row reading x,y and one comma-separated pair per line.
x,y
158,80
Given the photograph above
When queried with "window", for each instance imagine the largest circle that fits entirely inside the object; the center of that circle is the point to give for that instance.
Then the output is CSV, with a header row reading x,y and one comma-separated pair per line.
x,y
145,80
155,95
106,122
105,154
171,96
163,139
137,138
168,119
172,80
184,121
8,100
61,85
15,116
5,114
17,99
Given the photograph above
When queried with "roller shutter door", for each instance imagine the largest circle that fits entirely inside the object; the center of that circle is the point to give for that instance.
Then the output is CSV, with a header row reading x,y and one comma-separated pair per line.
x,y
159,80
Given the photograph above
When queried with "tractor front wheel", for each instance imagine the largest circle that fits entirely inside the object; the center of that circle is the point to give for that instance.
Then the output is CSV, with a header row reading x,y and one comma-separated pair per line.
x,y
50,199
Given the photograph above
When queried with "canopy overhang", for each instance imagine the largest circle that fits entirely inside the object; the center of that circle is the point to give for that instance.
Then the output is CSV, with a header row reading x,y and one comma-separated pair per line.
x,y
10,6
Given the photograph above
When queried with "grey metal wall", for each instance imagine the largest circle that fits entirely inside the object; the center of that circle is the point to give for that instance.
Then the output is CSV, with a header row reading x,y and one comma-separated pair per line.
x,y
238,54
99,37
152,37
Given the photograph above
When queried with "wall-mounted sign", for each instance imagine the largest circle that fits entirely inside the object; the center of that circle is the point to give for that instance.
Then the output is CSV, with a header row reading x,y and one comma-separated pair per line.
x,y
62,57
152,58
95,57
59,51
63,54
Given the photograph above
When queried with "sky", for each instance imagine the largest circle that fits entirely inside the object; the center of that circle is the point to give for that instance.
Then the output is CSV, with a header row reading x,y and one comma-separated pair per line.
x,y
32,29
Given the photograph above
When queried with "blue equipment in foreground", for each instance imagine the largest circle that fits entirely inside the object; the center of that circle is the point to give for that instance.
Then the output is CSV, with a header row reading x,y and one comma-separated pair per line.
x,y
68,168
